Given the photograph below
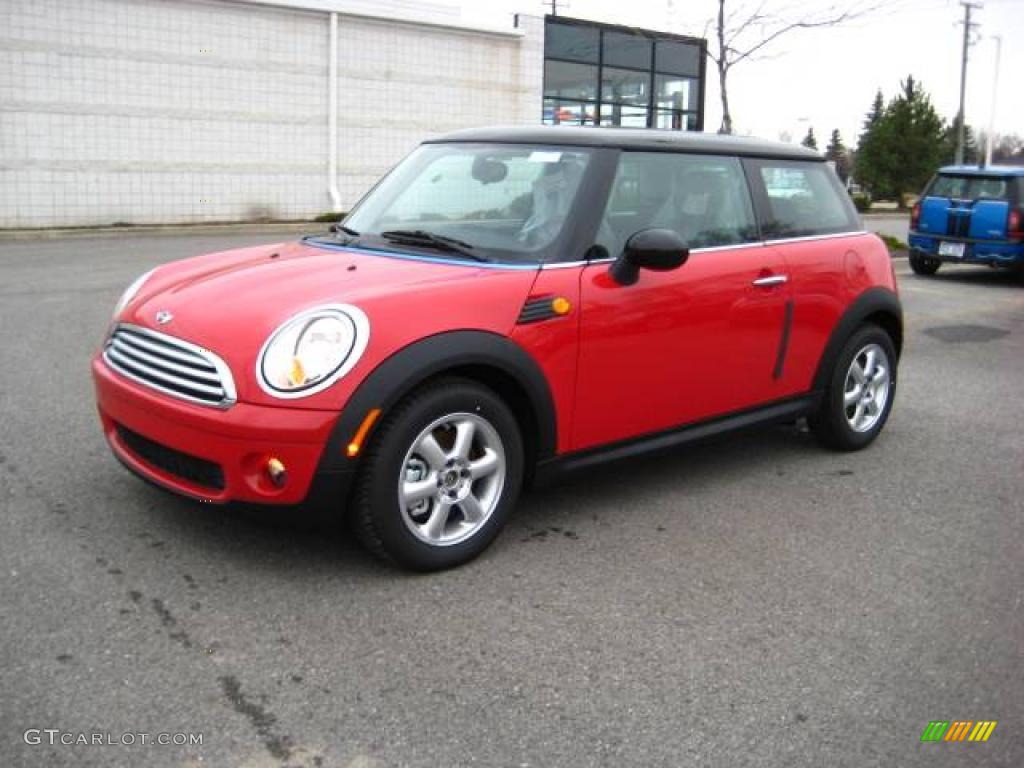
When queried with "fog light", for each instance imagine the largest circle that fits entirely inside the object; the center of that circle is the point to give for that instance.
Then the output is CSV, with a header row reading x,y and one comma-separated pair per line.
x,y
277,473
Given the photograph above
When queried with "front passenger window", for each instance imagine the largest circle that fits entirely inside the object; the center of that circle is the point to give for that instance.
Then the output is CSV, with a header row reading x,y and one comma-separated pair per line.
x,y
701,197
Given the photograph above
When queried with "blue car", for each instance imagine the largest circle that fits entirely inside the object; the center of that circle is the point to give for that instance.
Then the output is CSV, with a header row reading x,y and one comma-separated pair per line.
x,y
969,215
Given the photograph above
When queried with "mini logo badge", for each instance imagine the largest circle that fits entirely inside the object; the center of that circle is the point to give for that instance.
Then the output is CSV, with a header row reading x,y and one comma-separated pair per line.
x,y
163,317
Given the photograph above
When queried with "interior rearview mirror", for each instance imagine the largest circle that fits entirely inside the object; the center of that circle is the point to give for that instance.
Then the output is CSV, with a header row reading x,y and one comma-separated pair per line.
x,y
656,249
487,170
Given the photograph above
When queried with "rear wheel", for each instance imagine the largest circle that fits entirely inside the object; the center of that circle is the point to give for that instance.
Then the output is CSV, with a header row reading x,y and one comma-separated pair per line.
x,y
440,478
923,265
860,392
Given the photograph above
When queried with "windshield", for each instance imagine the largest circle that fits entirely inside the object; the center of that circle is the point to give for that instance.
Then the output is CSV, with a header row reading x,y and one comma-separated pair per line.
x,y
970,187
499,202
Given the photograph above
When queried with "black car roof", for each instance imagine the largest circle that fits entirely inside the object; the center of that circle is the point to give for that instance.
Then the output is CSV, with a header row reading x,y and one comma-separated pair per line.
x,y
631,138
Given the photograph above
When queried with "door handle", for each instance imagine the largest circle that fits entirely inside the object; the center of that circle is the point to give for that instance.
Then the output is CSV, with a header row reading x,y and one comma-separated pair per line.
x,y
763,282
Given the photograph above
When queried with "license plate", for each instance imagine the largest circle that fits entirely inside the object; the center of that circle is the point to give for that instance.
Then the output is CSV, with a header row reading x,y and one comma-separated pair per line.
x,y
953,250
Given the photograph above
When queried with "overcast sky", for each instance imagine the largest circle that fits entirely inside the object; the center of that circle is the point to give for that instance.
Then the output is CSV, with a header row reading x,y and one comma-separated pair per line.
x,y
827,78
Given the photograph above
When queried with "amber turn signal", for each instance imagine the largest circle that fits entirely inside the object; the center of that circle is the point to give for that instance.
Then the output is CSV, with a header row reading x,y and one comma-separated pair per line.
x,y
297,375
561,305
356,445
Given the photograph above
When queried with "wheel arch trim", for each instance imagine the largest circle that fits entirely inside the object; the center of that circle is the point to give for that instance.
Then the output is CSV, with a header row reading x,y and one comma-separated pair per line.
x,y
456,352
880,305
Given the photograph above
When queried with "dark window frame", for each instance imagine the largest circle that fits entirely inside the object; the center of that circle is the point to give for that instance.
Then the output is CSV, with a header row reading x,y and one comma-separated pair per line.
x,y
652,71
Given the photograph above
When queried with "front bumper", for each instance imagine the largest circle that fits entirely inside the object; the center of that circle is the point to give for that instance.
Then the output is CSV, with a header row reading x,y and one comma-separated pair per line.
x,y
993,253
210,454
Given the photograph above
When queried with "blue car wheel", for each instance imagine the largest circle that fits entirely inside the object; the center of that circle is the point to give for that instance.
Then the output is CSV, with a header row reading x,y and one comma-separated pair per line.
x,y
923,264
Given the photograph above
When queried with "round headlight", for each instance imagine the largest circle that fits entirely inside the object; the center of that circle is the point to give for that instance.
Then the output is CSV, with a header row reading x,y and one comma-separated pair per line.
x,y
130,291
312,350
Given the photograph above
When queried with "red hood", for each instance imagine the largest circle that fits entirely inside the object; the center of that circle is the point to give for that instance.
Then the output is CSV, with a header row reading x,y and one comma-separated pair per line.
x,y
230,302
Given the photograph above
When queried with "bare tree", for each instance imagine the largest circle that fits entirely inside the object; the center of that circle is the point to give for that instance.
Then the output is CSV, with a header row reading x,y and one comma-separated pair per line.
x,y
745,31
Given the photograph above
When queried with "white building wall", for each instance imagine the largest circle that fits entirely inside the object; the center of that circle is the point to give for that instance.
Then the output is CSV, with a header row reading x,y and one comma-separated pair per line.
x,y
166,111
402,82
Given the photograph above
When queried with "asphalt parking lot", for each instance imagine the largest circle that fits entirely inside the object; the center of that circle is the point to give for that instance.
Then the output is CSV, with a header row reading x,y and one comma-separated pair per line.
x,y
754,602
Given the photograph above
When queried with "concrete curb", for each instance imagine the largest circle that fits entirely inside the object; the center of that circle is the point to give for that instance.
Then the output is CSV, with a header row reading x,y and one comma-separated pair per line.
x,y
309,227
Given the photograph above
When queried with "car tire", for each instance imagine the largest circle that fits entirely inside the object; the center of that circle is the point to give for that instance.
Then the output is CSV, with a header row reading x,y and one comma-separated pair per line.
x,y
860,392
924,265
440,478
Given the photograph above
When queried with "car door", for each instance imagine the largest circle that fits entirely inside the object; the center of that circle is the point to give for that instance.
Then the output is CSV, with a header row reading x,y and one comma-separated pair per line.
x,y
688,344
807,218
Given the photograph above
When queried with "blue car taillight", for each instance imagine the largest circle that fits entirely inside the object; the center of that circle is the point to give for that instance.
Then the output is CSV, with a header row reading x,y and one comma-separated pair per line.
x,y
1015,224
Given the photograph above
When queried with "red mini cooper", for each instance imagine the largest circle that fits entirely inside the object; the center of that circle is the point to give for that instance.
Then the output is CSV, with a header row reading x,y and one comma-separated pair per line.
x,y
506,304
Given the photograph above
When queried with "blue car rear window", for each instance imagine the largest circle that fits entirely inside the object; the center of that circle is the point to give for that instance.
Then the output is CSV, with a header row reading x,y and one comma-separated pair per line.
x,y
971,187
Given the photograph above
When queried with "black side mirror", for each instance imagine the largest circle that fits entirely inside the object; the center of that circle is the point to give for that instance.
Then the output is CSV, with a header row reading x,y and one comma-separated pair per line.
x,y
656,249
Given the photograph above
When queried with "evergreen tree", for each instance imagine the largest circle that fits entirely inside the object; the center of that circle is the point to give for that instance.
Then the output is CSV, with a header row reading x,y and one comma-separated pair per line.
x,y
836,152
877,111
836,148
869,149
915,135
809,140
949,140
901,149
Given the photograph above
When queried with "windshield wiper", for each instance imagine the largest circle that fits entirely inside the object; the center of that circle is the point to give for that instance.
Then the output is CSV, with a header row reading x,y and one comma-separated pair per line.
x,y
422,237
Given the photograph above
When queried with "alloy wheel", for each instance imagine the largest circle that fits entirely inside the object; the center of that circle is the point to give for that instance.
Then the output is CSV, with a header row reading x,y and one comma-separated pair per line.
x,y
867,387
451,479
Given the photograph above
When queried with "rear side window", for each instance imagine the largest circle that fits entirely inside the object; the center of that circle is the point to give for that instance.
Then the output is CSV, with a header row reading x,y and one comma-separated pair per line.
x,y
964,187
803,199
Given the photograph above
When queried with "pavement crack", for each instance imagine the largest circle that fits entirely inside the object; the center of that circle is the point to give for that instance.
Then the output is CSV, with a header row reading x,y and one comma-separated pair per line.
x,y
168,620
166,617
263,721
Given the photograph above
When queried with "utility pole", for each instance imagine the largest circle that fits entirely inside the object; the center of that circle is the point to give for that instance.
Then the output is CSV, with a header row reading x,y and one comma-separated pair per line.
x,y
995,97
962,127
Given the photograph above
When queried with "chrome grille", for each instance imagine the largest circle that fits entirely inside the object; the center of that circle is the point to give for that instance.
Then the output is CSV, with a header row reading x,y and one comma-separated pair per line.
x,y
170,365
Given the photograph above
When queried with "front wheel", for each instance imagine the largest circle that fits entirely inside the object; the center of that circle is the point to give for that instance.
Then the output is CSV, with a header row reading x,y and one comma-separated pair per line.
x,y
860,392
923,265
441,477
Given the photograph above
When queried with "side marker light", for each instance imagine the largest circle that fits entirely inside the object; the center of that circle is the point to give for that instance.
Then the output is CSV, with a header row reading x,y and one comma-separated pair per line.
x,y
356,445
561,305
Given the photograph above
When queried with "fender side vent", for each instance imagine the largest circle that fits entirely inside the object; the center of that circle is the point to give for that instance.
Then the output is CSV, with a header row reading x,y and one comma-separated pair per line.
x,y
536,309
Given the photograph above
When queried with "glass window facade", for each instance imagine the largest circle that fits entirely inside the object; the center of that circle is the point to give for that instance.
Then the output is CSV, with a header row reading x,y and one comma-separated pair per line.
x,y
599,74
